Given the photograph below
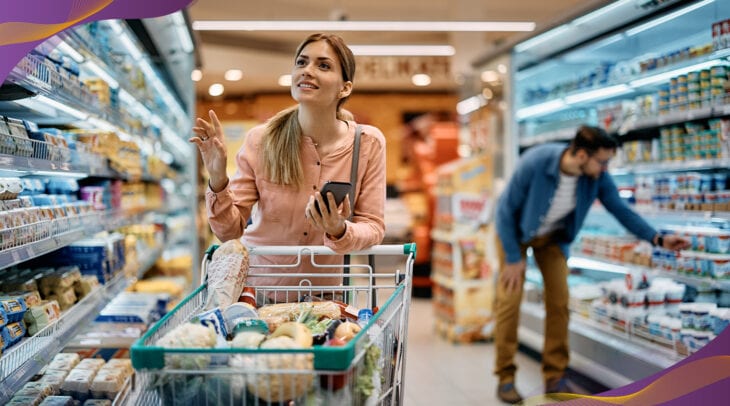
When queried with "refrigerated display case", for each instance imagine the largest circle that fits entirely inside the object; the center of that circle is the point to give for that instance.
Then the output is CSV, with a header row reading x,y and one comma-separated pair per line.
x,y
92,134
654,74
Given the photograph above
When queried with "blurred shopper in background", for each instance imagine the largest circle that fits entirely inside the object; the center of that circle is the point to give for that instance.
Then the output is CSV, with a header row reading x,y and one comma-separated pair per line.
x,y
543,207
283,163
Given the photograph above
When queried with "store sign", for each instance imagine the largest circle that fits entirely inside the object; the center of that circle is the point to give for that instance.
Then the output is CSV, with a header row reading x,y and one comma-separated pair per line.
x,y
393,67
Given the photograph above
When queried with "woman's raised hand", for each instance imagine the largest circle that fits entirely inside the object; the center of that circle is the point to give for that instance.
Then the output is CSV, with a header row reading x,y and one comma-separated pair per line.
x,y
211,142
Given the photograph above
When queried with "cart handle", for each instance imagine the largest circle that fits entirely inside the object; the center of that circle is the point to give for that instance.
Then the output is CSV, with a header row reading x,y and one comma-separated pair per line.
x,y
390,249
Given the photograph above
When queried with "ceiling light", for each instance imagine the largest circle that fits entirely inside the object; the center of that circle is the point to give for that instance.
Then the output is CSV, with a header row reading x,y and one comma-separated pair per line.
x,y
403,50
284,80
196,75
233,75
502,68
490,76
319,26
216,89
487,93
421,79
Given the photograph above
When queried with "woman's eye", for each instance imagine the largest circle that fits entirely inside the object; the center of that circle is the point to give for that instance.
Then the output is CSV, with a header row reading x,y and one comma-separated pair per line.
x,y
300,62
324,65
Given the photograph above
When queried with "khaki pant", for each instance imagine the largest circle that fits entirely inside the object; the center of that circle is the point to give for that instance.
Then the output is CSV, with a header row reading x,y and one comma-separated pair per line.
x,y
554,269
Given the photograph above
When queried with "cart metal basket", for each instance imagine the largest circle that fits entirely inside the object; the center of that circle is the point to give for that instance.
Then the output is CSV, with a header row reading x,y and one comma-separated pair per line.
x,y
368,370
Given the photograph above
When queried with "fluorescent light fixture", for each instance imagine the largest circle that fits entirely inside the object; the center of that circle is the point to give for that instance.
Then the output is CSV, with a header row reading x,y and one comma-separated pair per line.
x,y
668,17
216,89
72,53
469,105
65,174
98,71
134,105
233,75
178,18
539,109
101,124
62,107
403,50
326,25
664,77
585,263
547,36
196,75
597,94
116,26
131,47
607,41
284,80
600,12
502,68
421,79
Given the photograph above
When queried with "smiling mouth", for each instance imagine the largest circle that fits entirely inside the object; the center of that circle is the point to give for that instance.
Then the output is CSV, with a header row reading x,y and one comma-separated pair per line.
x,y
306,86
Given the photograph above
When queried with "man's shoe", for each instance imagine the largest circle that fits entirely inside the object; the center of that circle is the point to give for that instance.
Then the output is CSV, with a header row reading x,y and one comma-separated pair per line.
x,y
507,392
557,385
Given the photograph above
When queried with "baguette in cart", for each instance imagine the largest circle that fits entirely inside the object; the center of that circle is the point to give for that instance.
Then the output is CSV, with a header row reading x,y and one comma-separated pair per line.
x,y
297,343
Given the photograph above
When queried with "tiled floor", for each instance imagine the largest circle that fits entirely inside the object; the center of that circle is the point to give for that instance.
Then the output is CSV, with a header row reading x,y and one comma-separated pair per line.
x,y
439,372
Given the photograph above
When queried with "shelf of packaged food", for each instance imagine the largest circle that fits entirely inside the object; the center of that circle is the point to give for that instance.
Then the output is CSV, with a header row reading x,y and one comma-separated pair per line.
x,y
58,233
671,166
664,215
628,88
603,266
22,361
609,357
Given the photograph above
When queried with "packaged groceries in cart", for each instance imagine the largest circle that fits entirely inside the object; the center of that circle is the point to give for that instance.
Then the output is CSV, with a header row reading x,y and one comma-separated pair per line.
x,y
293,344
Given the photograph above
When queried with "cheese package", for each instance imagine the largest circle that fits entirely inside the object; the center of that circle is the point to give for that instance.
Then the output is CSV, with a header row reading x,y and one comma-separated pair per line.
x,y
123,364
54,378
40,316
107,384
14,332
14,307
60,280
23,400
3,318
85,285
65,361
31,297
65,298
77,383
35,388
58,401
92,364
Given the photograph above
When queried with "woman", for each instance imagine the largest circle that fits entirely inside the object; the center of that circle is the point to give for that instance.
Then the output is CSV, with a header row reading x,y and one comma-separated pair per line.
x,y
283,164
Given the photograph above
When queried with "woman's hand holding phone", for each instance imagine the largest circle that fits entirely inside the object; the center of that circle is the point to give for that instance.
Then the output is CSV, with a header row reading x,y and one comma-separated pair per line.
x,y
332,221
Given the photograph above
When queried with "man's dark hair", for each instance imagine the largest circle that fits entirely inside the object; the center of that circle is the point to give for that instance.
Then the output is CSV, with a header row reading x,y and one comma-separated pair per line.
x,y
591,139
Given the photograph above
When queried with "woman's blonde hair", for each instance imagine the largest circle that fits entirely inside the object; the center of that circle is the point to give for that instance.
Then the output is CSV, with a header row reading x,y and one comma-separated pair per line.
x,y
282,140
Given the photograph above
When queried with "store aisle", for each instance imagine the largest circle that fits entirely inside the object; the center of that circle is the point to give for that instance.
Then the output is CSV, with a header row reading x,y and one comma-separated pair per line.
x,y
439,372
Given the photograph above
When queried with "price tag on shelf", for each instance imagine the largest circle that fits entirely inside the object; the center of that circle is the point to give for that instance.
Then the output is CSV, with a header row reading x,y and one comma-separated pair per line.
x,y
31,252
15,255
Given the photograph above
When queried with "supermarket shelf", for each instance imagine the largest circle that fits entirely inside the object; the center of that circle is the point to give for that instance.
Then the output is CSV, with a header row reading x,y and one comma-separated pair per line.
x,y
673,166
603,266
677,117
671,215
634,85
608,357
66,231
26,359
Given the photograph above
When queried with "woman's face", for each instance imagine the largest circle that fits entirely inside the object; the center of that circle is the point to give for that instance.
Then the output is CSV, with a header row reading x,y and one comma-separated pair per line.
x,y
317,76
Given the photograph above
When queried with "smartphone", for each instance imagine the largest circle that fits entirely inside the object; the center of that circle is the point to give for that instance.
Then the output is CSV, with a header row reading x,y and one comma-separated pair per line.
x,y
338,189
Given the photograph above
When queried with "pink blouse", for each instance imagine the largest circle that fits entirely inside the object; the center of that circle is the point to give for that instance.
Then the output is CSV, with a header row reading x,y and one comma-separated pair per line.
x,y
279,216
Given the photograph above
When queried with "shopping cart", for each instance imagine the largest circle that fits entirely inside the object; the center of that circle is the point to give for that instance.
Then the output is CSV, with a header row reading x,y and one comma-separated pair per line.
x,y
368,370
